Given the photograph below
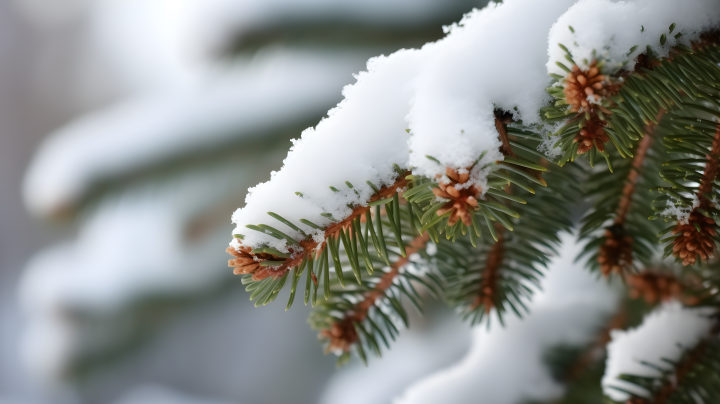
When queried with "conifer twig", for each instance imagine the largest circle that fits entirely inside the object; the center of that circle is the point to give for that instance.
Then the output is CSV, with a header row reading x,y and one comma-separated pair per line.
x,y
616,253
637,164
309,246
490,275
342,333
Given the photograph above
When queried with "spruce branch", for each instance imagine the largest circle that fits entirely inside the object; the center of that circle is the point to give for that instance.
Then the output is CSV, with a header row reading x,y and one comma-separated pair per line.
x,y
308,247
619,105
628,239
489,283
495,221
691,196
616,253
636,168
498,275
341,332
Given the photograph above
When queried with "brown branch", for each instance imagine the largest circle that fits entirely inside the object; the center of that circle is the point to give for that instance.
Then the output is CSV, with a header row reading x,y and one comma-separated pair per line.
x,y
245,261
342,333
491,273
633,176
506,149
616,254
500,126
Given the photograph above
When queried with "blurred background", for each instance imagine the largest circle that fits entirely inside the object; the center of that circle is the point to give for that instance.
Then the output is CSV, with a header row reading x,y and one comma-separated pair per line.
x,y
130,131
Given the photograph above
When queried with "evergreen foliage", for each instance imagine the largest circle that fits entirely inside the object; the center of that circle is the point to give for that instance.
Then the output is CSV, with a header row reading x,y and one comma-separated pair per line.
x,y
656,127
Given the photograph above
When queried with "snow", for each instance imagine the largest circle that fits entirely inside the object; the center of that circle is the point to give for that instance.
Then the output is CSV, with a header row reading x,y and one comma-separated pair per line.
x,y
505,364
273,91
436,92
681,213
359,141
665,334
470,74
445,94
612,29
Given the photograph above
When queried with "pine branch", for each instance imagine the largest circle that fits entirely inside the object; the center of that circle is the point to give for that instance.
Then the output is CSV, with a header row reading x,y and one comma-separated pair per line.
x,y
342,333
674,99
621,101
627,236
489,283
498,275
307,246
267,269
636,168
501,120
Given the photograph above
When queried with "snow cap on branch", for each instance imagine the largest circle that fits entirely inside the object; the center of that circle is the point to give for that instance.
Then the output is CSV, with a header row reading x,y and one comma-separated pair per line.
x,y
446,94
485,63
618,32
359,141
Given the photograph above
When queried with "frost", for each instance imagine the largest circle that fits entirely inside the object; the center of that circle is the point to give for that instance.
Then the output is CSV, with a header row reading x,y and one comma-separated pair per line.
x,y
547,146
680,213
318,236
593,100
664,335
